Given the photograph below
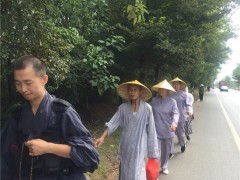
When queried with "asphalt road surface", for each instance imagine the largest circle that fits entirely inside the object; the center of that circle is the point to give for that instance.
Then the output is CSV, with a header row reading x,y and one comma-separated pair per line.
x,y
213,153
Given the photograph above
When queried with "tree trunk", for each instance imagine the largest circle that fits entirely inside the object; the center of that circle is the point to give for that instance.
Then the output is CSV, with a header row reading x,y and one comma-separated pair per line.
x,y
156,73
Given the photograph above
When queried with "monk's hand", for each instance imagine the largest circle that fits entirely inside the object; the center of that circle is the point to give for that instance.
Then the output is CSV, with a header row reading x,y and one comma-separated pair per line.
x,y
36,147
172,128
98,142
189,114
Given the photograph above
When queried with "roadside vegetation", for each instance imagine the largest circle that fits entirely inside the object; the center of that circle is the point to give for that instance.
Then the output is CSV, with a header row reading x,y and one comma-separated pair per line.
x,y
90,46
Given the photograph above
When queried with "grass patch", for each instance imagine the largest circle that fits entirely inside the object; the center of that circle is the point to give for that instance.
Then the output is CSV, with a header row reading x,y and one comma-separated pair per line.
x,y
109,164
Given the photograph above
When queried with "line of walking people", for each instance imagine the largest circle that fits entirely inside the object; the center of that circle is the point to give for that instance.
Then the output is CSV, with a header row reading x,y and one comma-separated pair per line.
x,y
148,129
45,139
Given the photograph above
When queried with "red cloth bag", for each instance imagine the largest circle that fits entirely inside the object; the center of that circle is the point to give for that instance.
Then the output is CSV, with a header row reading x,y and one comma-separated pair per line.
x,y
152,169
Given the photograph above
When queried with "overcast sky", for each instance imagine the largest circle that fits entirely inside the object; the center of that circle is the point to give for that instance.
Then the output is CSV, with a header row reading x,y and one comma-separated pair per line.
x,y
234,44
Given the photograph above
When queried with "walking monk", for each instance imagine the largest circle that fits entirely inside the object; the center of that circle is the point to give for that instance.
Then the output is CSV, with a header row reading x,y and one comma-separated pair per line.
x,y
138,140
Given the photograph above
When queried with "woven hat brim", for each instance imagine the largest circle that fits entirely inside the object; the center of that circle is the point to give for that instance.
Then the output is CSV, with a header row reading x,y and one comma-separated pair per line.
x,y
183,84
122,91
163,85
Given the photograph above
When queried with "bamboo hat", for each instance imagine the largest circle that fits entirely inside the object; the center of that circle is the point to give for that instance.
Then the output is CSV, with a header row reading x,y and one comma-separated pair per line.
x,y
201,85
183,84
163,85
122,90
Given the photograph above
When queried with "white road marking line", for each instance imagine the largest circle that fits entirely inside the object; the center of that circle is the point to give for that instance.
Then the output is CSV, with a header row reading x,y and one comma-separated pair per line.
x,y
230,125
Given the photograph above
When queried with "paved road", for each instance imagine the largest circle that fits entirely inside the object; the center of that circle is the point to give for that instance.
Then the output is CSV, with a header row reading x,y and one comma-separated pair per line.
x,y
214,150
231,103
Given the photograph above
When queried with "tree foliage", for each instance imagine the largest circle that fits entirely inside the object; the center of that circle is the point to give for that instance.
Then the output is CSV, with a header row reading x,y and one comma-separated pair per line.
x,y
136,12
180,38
236,74
91,46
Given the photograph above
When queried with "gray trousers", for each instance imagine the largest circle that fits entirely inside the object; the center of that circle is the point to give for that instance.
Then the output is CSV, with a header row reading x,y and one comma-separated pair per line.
x,y
165,147
180,133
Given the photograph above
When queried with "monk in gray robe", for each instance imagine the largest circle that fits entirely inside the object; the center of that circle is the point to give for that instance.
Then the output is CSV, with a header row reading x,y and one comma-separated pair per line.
x,y
185,110
138,139
166,115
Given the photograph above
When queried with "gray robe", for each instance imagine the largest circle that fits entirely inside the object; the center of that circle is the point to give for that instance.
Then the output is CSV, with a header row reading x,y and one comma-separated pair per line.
x,y
183,103
138,139
165,113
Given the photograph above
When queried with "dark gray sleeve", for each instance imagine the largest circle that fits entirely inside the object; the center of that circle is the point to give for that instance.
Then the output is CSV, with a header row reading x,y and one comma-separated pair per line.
x,y
83,152
10,150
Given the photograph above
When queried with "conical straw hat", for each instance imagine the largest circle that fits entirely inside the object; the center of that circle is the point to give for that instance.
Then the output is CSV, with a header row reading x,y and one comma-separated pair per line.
x,y
163,85
183,84
122,90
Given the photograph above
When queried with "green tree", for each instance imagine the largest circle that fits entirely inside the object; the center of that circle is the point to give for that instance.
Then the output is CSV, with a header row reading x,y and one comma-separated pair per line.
x,y
29,27
89,46
92,60
178,38
63,34
236,75
136,12
228,80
